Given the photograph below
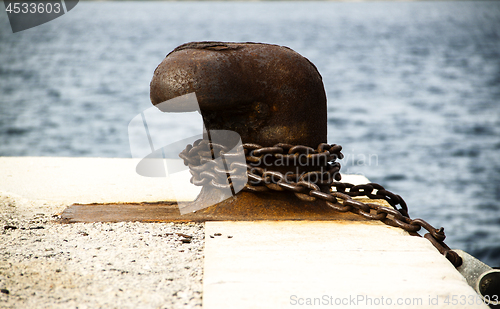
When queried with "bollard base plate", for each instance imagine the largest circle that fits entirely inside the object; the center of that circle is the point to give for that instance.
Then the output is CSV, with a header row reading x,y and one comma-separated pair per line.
x,y
242,207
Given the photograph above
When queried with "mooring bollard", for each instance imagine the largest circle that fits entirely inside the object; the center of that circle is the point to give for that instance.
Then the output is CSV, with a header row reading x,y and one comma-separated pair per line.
x,y
268,94
275,100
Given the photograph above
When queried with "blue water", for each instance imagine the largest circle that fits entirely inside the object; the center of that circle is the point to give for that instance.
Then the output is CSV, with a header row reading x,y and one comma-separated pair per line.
x,y
413,89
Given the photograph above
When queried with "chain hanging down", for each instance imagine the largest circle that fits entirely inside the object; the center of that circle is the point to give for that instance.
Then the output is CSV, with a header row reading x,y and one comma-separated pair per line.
x,y
308,186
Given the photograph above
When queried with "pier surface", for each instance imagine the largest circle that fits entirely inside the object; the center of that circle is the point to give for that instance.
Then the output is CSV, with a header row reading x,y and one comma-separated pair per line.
x,y
264,264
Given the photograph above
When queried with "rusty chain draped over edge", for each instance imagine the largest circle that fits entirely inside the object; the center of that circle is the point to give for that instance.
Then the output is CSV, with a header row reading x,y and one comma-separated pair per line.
x,y
205,171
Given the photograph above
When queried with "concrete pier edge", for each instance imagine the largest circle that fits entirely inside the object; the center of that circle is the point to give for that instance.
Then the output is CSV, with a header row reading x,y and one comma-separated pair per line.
x,y
265,264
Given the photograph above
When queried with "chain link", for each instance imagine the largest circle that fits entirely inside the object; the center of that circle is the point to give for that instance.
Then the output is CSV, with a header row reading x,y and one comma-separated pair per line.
x,y
337,195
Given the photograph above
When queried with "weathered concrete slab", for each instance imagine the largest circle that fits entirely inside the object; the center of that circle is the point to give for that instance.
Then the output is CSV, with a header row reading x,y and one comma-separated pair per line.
x,y
44,264
99,265
285,264
83,180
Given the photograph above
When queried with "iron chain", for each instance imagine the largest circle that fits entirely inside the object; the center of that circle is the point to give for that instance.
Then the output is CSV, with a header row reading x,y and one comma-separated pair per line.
x,y
339,195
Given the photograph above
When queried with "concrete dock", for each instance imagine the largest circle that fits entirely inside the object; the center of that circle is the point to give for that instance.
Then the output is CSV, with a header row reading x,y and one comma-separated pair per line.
x,y
264,264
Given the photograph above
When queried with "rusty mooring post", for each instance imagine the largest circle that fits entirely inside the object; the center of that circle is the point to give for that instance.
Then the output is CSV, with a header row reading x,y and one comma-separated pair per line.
x,y
268,94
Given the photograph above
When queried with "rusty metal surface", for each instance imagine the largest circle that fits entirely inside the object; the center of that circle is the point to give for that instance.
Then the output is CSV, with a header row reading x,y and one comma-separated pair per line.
x,y
270,206
268,94
144,212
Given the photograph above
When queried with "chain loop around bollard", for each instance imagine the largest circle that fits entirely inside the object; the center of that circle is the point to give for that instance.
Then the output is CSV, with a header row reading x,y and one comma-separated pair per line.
x,y
341,194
